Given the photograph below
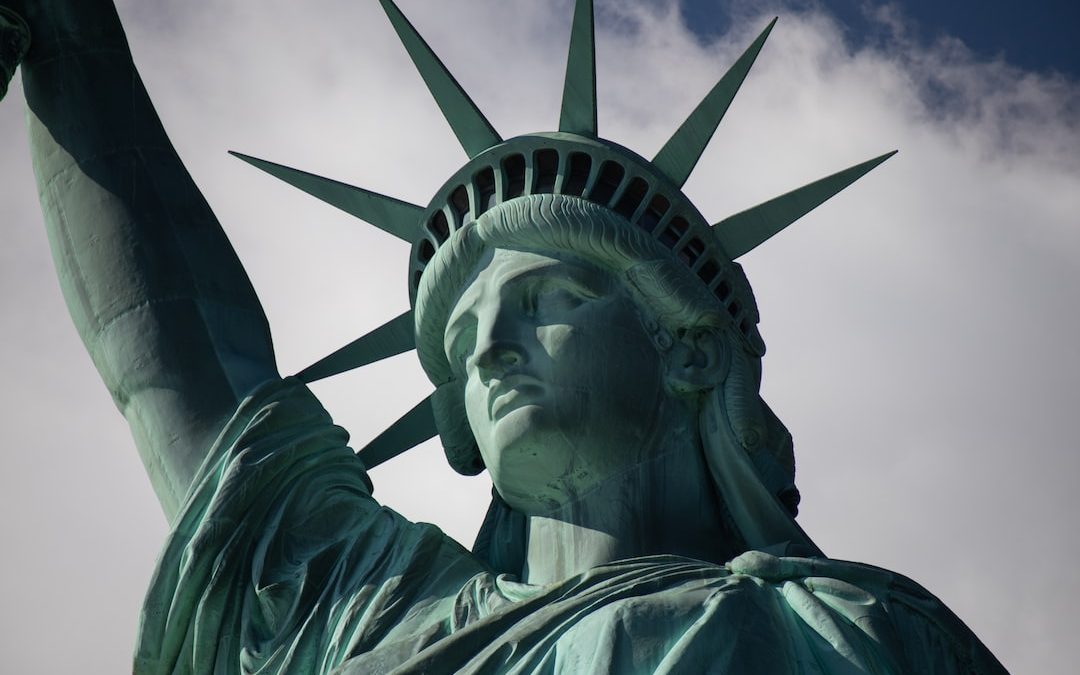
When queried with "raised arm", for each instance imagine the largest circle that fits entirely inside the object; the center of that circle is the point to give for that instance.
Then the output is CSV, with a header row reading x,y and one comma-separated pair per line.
x,y
156,291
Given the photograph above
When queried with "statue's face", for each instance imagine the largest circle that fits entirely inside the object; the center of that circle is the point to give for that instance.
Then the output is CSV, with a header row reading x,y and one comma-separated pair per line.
x,y
563,383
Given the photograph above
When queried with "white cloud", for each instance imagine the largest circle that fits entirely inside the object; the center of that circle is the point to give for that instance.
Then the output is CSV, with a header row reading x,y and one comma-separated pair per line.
x,y
921,327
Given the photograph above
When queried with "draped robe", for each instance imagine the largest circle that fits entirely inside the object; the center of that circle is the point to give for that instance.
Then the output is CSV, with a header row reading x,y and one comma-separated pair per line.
x,y
282,562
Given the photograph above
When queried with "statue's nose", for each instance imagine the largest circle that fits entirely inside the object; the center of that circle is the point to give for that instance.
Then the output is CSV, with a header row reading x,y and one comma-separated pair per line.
x,y
498,344
497,358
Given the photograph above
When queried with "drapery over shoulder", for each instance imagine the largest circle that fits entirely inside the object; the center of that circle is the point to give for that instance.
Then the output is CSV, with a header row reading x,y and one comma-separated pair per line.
x,y
281,559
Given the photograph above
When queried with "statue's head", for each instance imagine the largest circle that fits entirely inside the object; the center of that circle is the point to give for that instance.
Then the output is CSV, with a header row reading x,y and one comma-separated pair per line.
x,y
639,314
567,344
570,345
571,303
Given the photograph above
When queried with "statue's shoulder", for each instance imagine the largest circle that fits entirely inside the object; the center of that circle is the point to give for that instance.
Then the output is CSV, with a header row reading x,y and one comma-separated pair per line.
x,y
910,624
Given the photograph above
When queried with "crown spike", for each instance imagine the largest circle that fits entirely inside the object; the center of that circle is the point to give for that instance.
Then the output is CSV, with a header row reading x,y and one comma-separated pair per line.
x,y
745,231
399,218
470,126
681,153
412,429
579,92
390,339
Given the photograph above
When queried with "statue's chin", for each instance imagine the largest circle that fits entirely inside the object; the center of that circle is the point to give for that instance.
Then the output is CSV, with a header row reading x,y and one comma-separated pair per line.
x,y
545,453
531,458
523,437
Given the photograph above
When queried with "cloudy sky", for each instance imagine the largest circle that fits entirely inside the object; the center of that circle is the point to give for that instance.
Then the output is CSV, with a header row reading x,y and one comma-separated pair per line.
x,y
922,326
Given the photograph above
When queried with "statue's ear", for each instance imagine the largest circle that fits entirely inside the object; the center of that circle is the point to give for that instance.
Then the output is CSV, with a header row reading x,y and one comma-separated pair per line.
x,y
696,361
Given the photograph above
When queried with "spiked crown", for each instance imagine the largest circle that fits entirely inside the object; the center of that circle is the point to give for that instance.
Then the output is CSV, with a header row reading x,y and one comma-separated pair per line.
x,y
572,161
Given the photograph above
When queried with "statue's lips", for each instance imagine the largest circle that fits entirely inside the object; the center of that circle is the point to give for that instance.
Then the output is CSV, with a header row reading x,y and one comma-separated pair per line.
x,y
511,393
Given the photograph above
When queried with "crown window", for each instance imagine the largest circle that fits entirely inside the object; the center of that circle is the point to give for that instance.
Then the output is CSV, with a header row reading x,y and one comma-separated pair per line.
x,y
631,199
611,176
513,168
484,181
546,167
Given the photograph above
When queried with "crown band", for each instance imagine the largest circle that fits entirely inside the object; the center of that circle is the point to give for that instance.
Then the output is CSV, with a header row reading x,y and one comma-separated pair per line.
x,y
603,173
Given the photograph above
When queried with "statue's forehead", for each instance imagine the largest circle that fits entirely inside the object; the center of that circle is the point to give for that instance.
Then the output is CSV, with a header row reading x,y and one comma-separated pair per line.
x,y
500,269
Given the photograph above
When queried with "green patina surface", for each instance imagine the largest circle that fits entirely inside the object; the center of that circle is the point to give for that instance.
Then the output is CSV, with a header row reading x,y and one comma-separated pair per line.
x,y
593,345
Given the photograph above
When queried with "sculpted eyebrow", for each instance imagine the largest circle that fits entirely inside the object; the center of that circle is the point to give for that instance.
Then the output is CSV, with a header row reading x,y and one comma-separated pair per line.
x,y
454,328
457,322
588,277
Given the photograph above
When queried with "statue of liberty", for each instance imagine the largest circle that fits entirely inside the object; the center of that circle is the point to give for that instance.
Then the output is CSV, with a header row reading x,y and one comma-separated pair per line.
x,y
592,343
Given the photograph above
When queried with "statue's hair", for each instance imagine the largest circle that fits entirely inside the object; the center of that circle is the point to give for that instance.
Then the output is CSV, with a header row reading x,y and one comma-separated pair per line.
x,y
666,291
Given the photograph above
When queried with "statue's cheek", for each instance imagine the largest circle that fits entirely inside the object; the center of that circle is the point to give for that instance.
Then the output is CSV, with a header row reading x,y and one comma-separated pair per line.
x,y
557,341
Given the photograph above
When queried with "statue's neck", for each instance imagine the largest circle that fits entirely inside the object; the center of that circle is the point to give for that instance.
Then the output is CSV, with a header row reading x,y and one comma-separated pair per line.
x,y
665,505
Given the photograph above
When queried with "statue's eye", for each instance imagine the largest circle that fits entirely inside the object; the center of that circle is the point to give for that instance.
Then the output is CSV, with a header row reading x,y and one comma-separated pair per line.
x,y
553,299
